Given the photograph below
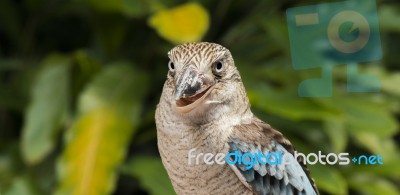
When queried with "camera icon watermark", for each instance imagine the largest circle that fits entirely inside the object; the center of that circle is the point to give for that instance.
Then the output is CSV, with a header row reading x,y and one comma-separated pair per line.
x,y
329,34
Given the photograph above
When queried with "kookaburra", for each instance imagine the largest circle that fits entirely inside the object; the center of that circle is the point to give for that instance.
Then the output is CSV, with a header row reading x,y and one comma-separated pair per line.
x,y
204,106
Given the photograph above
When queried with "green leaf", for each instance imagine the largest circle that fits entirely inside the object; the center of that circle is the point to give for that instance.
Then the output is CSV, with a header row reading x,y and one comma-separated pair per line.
x,y
290,105
364,113
390,83
337,134
370,117
369,184
136,8
96,144
389,18
48,107
151,174
118,85
329,179
10,163
385,147
387,169
20,186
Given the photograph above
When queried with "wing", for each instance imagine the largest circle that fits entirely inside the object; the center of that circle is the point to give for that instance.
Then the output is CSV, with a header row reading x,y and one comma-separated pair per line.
x,y
291,177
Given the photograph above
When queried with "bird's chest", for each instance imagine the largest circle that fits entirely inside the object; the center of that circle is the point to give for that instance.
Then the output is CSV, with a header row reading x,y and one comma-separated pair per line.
x,y
195,162
193,147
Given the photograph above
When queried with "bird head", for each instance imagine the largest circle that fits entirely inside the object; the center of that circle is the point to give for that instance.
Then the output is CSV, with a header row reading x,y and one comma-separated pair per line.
x,y
203,77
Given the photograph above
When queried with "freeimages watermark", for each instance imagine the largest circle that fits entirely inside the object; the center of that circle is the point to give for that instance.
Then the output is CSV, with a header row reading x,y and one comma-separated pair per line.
x,y
249,159
329,34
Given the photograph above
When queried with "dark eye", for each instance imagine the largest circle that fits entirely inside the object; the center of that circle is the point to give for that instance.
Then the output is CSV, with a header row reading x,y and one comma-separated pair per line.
x,y
171,66
218,67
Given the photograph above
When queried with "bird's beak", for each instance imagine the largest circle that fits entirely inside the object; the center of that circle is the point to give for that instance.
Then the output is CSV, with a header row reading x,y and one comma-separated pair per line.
x,y
191,88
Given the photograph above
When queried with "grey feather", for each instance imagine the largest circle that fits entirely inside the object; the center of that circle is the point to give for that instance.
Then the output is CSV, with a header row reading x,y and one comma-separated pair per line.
x,y
273,179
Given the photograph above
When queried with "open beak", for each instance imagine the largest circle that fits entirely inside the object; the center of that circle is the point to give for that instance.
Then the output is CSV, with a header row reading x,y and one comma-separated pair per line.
x,y
191,88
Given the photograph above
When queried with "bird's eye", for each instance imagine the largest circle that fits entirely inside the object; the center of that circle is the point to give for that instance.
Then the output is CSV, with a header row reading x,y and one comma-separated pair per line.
x,y
218,67
171,66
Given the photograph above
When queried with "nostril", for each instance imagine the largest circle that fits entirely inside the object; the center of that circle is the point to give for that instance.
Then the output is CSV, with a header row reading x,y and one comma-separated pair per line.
x,y
192,89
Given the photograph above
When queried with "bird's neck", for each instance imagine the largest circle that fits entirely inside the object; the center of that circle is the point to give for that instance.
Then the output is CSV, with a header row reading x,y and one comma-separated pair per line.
x,y
212,120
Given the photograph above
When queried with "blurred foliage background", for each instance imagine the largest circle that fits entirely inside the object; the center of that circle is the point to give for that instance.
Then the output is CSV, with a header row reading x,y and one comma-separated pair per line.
x,y
80,80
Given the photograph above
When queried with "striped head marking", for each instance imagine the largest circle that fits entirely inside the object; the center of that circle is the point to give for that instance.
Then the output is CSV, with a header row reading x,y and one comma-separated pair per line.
x,y
195,70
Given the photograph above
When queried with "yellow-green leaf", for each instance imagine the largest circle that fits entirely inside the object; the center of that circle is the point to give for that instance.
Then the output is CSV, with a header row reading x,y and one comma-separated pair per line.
x,y
94,150
44,116
96,144
185,23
